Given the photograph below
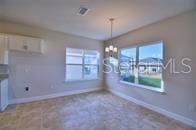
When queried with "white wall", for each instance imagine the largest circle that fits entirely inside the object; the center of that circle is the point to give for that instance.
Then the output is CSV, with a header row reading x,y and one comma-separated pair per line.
x,y
179,36
47,69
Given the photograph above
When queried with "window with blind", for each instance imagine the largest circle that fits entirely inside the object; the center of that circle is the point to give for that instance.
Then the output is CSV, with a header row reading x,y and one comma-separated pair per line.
x,y
81,64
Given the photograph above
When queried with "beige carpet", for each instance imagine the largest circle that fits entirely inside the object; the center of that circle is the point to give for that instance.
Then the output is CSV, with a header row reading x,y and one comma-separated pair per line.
x,y
90,111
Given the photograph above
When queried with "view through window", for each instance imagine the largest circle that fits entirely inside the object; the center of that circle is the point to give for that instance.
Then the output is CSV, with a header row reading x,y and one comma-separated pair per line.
x,y
81,64
142,65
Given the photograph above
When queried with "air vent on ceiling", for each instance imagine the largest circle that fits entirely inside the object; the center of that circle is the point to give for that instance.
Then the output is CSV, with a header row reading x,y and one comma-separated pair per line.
x,y
82,11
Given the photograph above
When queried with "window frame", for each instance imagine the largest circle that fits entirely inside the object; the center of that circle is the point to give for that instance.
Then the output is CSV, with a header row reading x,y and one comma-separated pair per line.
x,y
137,46
82,64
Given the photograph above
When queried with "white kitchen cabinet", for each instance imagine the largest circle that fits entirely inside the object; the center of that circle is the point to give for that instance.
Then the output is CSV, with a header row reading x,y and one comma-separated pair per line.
x,y
3,94
35,45
16,43
25,44
3,49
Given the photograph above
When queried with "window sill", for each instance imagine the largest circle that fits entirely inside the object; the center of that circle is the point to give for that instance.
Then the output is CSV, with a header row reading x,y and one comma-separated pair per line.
x,y
145,87
79,80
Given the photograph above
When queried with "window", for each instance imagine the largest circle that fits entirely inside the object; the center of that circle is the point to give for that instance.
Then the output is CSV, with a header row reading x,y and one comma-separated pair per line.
x,y
127,62
81,64
142,66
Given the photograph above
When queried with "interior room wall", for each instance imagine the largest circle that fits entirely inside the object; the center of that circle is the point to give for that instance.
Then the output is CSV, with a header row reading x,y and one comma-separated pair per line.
x,y
45,73
178,35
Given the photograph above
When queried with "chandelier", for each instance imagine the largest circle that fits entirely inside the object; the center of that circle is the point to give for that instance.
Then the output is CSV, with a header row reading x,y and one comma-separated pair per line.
x,y
111,50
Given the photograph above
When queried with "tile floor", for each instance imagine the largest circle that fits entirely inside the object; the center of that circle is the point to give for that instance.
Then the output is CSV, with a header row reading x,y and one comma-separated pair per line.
x,y
91,111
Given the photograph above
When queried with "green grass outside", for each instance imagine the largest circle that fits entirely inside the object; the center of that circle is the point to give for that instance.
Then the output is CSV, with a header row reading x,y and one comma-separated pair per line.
x,y
149,81
152,81
131,79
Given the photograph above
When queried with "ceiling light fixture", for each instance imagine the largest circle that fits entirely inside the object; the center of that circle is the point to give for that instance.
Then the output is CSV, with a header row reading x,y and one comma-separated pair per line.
x,y
111,50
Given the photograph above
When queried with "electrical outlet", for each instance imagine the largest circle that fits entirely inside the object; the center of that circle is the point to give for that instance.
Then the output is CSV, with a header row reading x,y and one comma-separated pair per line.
x,y
27,88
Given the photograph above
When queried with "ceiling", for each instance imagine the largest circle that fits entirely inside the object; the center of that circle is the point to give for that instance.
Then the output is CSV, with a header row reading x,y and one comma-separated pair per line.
x,y
61,15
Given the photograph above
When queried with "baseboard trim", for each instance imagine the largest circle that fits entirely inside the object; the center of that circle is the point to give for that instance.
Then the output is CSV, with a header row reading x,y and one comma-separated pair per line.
x,y
49,96
156,109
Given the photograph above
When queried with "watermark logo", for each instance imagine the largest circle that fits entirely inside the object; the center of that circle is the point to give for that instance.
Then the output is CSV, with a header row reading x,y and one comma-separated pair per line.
x,y
174,66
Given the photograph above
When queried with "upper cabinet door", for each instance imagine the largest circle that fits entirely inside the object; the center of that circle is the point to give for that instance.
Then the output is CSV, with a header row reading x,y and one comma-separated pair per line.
x,y
3,50
25,44
2,43
17,43
34,45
